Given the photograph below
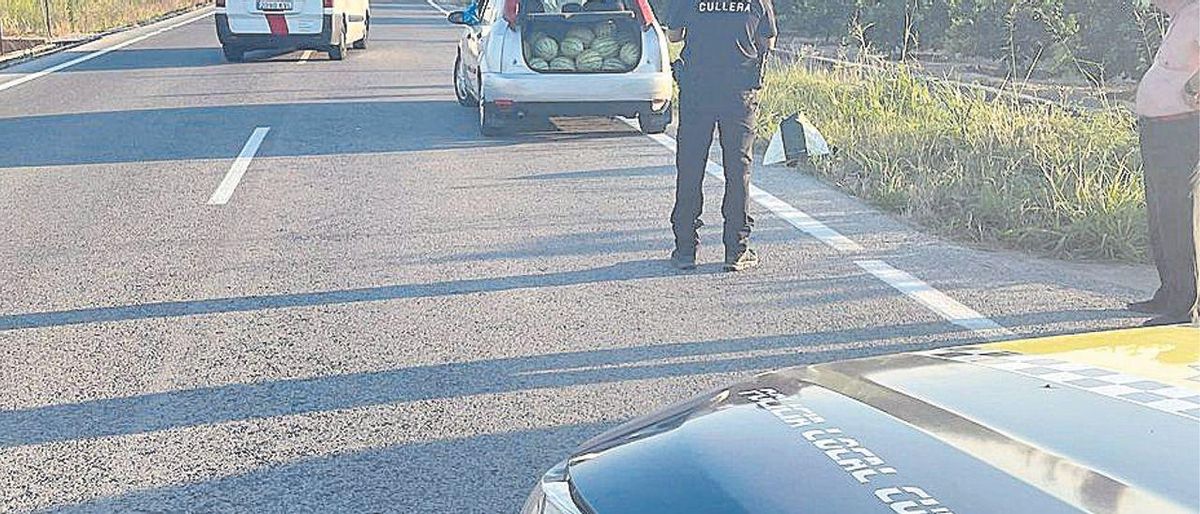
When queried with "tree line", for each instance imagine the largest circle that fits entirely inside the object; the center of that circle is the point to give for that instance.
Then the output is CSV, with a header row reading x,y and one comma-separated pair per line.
x,y
1094,39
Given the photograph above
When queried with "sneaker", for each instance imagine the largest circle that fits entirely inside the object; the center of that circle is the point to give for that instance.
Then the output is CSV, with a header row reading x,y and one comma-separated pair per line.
x,y
744,261
682,262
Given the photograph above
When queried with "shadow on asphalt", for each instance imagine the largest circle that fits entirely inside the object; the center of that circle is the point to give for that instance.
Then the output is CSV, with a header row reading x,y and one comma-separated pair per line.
x,y
193,407
634,270
645,171
133,59
439,22
298,129
486,473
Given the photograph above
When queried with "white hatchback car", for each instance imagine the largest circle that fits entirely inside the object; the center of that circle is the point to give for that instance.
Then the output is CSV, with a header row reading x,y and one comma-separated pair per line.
x,y
324,25
563,58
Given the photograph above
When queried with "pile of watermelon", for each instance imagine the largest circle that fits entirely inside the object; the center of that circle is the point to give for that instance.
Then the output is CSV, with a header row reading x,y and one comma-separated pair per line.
x,y
584,48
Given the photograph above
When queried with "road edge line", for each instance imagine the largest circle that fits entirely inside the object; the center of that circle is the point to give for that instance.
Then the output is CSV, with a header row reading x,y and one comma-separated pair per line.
x,y
233,177
103,51
914,288
940,303
785,211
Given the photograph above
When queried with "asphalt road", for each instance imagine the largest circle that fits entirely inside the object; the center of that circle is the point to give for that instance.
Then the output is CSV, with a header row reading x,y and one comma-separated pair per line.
x,y
391,313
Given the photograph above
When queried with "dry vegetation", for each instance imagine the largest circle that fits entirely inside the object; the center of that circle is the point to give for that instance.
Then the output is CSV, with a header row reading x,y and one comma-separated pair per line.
x,y
993,170
74,17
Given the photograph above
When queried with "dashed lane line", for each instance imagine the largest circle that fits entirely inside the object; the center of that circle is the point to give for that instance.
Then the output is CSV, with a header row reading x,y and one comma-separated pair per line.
x,y
225,190
85,58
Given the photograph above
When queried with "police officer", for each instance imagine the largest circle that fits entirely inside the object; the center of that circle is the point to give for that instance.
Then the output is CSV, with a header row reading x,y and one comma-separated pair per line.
x,y
719,73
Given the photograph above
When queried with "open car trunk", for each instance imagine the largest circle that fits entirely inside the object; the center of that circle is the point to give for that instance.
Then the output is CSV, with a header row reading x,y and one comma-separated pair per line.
x,y
581,42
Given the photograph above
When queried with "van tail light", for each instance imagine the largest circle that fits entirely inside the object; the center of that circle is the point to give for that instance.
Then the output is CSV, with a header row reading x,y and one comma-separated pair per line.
x,y
328,4
643,7
511,9
220,3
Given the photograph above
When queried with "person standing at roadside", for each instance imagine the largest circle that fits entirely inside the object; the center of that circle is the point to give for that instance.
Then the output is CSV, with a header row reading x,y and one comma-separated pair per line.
x,y
1168,109
726,43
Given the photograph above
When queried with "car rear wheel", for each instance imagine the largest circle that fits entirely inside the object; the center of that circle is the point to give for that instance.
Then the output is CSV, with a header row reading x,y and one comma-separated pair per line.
x,y
654,123
337,52
233,54
464,96
362,43
491,123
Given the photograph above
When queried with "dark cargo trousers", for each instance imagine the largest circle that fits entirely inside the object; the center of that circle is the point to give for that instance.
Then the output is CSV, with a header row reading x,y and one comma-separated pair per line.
x,y
1170,151
734,120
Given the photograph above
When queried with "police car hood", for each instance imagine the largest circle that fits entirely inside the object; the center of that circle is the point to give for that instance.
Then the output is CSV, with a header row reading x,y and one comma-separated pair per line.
x,y
985,429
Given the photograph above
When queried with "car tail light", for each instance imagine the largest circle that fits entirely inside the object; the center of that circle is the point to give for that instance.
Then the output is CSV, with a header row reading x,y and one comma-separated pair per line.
x,y
647,13
220,3
511,9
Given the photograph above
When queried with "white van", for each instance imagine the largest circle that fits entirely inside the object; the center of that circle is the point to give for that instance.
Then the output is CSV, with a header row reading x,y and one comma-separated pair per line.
x,y
522,58
324,25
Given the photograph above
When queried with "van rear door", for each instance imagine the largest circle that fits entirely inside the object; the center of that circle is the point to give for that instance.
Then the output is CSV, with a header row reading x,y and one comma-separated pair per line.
x,y
277,17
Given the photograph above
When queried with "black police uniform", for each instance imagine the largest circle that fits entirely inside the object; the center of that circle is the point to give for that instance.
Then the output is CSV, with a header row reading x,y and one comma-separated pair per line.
x,y
719,74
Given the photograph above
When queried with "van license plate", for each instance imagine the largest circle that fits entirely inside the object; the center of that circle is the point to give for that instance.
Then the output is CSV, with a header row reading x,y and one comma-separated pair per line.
x,y
274,5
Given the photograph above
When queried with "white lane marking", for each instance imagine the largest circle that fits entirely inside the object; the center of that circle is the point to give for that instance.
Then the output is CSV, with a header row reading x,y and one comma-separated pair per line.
x,y
804,222
304,57
795,217
918,290
436,6
85,58
934,300
240,165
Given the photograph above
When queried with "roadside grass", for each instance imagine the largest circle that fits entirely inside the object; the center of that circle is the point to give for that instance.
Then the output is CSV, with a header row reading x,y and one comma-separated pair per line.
x,y
982,170
75,17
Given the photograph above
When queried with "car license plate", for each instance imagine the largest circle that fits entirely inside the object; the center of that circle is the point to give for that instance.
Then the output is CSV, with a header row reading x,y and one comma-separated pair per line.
x,y
274,5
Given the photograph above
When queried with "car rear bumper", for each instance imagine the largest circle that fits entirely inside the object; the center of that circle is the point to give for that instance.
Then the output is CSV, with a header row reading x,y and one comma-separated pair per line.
x,y
317,41
519,110
615,89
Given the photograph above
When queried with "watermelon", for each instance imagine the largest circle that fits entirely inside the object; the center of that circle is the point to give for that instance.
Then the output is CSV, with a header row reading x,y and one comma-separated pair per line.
x,y
546,48
583,34
571,47
629,54
589,61
627,37
562,64
614,64
538,64
606,46
604,28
